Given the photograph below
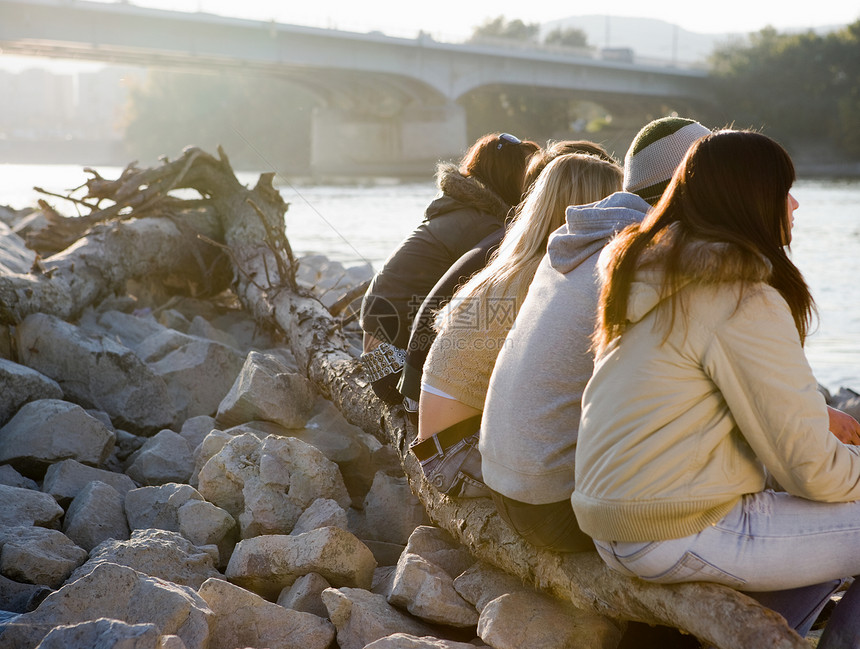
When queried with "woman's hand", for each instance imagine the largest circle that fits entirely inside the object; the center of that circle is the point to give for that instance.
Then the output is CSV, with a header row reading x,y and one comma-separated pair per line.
x,y
844,426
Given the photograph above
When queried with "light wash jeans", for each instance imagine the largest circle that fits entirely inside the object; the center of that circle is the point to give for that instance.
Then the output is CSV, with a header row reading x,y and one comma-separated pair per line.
x,y
456,471
770,541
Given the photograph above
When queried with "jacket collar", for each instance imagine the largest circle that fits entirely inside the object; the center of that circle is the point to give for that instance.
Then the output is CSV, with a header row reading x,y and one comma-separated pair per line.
x,y
469,191
701,261
709,262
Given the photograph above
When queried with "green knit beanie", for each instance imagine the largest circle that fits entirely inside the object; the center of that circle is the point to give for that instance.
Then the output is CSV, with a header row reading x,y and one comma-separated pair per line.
x,y
656,152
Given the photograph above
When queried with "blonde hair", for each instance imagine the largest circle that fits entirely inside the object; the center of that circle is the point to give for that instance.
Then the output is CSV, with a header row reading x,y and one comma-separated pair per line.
x,y
571,179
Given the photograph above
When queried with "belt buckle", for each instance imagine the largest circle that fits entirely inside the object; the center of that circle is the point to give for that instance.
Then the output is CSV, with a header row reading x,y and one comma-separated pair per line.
x,y
426,444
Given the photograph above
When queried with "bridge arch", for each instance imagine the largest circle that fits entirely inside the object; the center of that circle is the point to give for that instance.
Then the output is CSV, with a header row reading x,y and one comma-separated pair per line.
x,y
401,99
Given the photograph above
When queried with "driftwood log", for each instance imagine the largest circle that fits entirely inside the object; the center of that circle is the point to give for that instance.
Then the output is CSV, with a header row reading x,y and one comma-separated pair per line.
x,y
252,222
145,234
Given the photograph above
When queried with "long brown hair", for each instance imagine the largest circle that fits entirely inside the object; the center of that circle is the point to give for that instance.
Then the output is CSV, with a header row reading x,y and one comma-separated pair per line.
x,y
731,187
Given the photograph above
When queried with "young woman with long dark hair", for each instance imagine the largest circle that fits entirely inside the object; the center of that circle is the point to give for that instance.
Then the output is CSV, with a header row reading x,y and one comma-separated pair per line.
x,y
702,394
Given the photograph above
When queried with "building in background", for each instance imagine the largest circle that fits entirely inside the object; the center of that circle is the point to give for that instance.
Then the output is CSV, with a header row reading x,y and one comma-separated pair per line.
x,y
75,117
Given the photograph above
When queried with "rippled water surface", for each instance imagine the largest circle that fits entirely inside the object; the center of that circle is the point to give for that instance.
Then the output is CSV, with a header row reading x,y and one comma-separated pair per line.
x,y
364,222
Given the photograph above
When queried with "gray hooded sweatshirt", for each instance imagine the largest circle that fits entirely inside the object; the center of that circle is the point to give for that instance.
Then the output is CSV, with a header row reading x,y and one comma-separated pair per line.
x,y
531,415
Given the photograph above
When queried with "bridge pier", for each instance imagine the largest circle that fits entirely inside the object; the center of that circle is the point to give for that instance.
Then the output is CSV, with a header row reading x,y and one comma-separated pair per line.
x,y
409,143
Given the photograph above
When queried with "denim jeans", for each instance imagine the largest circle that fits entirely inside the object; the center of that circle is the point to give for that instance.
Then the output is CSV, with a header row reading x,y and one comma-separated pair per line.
x,y
770,541
457,470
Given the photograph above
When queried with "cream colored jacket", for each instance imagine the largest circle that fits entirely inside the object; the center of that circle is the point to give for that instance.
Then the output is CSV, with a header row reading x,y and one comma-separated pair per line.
x,y
675,429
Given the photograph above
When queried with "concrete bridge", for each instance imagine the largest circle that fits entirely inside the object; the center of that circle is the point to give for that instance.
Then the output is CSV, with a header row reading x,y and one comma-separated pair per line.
x,y
397,97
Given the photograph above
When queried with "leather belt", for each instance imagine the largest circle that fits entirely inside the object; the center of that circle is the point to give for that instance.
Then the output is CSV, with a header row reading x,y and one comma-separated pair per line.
x,y
443,440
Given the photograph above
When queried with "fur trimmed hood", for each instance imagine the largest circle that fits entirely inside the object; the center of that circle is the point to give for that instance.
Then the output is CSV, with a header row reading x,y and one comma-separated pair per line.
x,y
703,262
459,190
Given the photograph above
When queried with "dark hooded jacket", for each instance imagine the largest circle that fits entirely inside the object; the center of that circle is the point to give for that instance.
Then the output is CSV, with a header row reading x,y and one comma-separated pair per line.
x,y
465,212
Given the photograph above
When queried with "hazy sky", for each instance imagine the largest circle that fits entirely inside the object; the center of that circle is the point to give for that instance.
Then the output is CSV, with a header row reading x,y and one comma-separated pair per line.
x,y
453,19
458,17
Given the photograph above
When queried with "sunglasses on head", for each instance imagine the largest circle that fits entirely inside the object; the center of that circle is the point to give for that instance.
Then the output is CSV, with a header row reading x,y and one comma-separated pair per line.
x,y
510,139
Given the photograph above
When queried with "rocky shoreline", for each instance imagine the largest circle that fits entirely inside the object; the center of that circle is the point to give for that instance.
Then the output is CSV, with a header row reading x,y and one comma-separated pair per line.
x,y
170,478
211,482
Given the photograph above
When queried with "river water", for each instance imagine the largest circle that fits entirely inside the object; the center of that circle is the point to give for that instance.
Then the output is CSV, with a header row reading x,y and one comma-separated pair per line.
x,y
362,223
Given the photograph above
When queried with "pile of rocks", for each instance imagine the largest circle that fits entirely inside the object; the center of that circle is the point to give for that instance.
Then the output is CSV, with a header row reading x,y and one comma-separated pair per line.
x,y
170,479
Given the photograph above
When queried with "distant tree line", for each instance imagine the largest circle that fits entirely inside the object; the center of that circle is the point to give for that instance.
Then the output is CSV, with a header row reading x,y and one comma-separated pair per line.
x,y
800,88
540,114
500,28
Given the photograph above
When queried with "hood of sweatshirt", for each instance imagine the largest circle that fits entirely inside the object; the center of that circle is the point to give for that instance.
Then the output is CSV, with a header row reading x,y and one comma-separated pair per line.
x,y
588,228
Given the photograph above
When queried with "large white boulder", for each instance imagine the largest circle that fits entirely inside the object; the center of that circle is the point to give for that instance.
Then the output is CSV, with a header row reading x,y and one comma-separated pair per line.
x,y
267,484
267,564
96,372
120,593
243,619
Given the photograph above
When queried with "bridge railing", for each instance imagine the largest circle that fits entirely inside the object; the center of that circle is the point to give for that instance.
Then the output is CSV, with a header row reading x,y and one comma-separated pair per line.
x,y
581,53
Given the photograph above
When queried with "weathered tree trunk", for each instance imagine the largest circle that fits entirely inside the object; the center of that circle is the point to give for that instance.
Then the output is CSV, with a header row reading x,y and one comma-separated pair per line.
x,y
713,613
161,237
100,264
252,222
